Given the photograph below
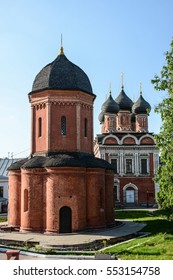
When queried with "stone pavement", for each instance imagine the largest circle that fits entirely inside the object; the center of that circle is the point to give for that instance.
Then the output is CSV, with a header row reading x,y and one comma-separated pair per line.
x,y
126,228
48,240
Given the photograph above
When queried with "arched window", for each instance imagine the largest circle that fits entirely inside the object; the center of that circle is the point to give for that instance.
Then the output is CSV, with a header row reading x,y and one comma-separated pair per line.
x,y
63,125
39,127
130,193
85,127
101,198
129,166
25,200
116,190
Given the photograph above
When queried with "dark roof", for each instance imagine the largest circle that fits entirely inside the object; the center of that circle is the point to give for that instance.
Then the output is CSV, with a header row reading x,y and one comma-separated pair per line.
x,y
110,106
62,74
124,102
17,165
73,159
101,117
141,106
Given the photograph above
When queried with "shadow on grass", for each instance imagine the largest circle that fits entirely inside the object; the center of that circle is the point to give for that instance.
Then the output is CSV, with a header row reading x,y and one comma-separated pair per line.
x,y
159,226
157,245
156,221
131,214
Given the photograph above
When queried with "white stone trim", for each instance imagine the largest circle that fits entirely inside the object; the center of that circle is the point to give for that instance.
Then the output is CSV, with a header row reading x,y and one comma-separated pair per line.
x,y
135,189
147,157
117,184
118,161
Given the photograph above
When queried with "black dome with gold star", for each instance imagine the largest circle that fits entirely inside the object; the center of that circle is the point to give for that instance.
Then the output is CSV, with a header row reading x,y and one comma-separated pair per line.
x,y
62,74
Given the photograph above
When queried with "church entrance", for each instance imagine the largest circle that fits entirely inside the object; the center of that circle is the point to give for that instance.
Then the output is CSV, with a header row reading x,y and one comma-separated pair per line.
x,y
65,220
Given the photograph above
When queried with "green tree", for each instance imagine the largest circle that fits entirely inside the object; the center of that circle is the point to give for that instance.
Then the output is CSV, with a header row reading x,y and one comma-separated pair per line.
x,y
164,139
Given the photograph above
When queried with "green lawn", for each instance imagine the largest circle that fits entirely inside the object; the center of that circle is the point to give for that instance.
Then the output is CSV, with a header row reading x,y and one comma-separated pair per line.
x,y
3,219
158,245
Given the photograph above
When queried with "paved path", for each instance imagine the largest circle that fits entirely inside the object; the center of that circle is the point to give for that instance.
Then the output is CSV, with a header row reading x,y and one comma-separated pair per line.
x,y
46,240
127,228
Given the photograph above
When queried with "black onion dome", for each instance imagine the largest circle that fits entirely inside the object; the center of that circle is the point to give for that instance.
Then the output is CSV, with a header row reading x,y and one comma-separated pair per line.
x,y
141,106
101,117
62,74
124,102
110,106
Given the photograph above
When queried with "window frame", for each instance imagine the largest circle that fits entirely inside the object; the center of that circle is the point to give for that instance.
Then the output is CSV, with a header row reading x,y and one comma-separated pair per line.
x,y
126,165
25,206
146,166
1,191
85,127
39,127
63,125
116,165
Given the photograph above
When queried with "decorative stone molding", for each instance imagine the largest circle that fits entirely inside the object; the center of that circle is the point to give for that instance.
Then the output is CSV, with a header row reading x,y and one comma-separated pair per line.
x,y
135,192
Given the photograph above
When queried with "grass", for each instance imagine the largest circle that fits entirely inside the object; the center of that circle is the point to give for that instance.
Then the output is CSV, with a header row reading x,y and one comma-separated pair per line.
x,y
3,219
158,245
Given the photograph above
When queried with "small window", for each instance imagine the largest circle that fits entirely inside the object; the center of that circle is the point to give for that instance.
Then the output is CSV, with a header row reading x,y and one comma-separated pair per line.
x,y
143,166
85,127
39,127
25,200
115,193
101,198
114,165
128,166
63,125
1,191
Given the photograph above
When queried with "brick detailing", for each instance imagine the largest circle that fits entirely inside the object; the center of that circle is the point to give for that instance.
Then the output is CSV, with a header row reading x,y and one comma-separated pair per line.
x,y
144,186
147,140
141,122
49,107
129,140
110,140
124,120
88,192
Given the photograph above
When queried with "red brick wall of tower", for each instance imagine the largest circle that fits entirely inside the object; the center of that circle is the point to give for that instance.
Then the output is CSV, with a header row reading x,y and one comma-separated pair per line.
x,y
50,107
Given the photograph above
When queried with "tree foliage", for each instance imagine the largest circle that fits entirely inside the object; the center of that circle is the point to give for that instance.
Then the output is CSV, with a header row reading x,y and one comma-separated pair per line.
x,y
164,139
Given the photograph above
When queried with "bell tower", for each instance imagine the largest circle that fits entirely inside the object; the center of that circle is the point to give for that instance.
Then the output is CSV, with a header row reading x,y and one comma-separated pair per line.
x,y
61,109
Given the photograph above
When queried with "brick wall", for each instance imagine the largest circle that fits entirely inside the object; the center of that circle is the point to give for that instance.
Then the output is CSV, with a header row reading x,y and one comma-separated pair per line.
x,y
50,106
14,198
144,185
88,192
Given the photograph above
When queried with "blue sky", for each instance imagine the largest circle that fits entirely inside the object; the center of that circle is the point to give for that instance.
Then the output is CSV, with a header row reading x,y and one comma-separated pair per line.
x,y
103,37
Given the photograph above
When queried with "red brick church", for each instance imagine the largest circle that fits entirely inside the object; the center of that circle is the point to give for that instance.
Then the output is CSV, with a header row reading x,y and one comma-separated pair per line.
x,y
62,187
126,143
